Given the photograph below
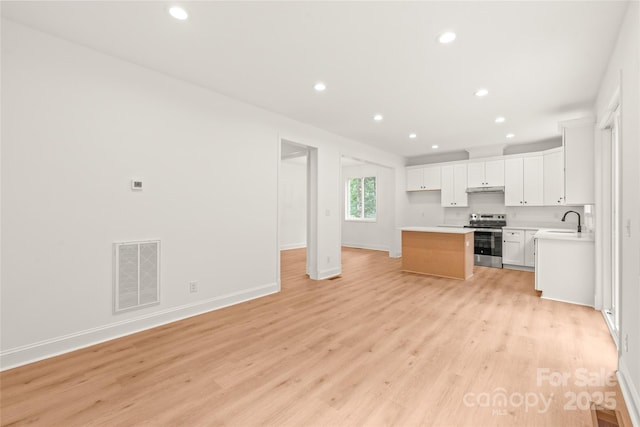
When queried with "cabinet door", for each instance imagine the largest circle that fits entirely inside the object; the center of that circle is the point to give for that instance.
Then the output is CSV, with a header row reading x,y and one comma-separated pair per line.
x,y
475,174
494,173
579,163
553,179
513,182
432,178
446,196
529,248
415,180
513,247
532,180
460,185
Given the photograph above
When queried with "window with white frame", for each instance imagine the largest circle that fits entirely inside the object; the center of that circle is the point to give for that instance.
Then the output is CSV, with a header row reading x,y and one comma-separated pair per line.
x,y
361,199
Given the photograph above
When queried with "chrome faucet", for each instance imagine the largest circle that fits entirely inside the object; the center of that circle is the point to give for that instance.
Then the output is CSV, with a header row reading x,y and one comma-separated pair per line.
x,y
564,217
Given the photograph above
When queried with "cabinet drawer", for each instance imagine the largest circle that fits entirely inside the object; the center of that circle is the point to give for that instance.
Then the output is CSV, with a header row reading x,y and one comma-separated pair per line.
x,y
512,234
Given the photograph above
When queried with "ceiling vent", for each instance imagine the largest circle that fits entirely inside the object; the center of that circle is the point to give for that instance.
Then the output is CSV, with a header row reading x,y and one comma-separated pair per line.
x,y
136,274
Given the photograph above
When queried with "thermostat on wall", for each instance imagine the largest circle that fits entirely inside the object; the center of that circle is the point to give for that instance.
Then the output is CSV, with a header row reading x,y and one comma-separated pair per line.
x,y
136,184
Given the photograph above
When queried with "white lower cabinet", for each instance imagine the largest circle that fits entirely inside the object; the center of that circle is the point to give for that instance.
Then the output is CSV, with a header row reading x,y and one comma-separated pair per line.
x,y
530,248
518,247
565,270
513,247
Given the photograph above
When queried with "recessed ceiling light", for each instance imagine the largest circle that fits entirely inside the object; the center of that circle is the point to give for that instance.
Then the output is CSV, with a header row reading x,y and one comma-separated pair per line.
x,y
320,87
500,119
447,37
378,117
435,147
482,92
413,136
510,135
178,13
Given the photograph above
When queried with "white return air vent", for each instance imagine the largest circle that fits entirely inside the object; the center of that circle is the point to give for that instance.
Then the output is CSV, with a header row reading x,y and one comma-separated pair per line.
x,y
136,274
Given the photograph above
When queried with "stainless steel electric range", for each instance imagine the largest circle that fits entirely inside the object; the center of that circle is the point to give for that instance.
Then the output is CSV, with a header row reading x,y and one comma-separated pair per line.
x,y
487,249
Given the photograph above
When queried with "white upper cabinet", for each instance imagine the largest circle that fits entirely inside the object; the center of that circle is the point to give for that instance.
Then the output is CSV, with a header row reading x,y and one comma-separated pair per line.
x,y
533,180
423,179
414,179
579,162
523,181
485,174
475,174
513,182
559,176
553,178
494,173
454,186
432,178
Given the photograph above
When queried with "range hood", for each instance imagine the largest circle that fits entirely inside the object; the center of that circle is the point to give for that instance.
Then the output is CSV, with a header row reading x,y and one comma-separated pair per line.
x,y
485,189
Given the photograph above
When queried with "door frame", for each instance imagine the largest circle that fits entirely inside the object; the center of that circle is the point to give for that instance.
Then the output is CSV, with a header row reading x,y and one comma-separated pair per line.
x,y
311,211
608,230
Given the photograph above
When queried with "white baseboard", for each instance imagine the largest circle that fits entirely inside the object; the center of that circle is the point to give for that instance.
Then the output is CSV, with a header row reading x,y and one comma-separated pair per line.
x,y
288,246
365,246
568,302
612,329
326,274
23,355
518,267
629,391
395,254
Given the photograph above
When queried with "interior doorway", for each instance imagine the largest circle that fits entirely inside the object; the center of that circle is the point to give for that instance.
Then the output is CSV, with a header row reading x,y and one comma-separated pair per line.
x,y
297,201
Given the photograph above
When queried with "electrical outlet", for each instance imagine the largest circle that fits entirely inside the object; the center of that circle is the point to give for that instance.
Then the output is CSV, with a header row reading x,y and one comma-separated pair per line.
x,y
193,287
626,342
328,259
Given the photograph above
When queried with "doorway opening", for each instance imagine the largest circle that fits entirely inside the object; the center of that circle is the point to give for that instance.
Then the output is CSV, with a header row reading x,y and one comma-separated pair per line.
x,y
297,201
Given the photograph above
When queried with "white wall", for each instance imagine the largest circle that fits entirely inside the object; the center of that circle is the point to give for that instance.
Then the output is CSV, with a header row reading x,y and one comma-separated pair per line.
x,y
623,72
376,235
424,209
77,126
293,203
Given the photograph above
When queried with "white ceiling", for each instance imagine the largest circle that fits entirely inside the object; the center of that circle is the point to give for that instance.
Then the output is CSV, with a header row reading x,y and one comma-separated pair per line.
x,y
541,61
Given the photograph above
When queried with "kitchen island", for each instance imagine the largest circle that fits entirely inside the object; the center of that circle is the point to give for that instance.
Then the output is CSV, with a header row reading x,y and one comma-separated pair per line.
x,y
438,251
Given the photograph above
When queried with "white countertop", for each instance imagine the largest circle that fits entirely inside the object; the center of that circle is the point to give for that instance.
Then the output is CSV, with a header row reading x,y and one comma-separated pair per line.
x,y
515,227
528,225
564,234
448,230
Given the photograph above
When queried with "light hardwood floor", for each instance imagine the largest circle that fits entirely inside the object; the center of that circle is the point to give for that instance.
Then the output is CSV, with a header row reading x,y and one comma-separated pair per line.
x,y
374,347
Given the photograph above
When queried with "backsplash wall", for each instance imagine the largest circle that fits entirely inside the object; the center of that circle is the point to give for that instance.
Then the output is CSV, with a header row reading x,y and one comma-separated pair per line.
x,y
424,210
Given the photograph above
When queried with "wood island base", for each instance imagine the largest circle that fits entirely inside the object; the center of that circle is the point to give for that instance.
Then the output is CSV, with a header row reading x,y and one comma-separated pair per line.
x,y
438,253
